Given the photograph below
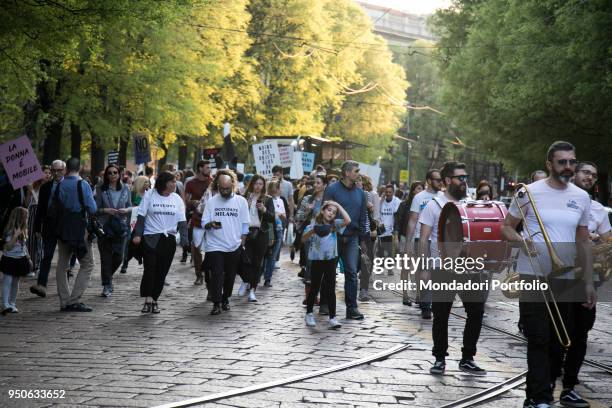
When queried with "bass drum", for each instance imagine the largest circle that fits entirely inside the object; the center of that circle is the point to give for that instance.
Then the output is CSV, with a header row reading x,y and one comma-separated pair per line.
x,y
473,229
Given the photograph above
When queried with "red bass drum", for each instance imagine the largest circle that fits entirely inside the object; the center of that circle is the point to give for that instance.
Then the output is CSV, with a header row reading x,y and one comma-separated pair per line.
x,y
473,229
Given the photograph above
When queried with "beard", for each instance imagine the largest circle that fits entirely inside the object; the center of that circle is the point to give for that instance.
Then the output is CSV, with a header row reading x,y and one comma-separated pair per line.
x,y
564,177
457,192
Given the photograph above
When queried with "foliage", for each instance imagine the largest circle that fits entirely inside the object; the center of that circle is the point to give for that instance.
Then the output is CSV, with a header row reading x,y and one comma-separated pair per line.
x,y
519,74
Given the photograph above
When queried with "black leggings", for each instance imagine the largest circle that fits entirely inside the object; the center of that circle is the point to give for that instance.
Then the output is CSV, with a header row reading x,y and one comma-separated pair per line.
x,y
323,271
157,263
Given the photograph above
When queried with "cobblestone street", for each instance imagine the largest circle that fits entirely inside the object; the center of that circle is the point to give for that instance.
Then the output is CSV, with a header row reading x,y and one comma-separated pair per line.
x,y
115,356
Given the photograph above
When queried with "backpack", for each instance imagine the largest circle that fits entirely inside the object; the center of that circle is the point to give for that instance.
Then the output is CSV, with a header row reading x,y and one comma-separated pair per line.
x,y
70,226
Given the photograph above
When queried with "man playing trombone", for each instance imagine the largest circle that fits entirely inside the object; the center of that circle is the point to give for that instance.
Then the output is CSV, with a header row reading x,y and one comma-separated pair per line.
x,y
554,214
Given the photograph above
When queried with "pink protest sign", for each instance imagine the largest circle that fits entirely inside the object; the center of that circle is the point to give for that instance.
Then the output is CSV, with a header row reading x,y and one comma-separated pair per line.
x,y
20,162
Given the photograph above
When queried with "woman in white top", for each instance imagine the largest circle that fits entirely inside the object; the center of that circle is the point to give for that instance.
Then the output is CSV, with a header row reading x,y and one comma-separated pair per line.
x,y
160,216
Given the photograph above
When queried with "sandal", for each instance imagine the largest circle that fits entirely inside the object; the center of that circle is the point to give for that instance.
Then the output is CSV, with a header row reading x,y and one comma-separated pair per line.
x,y
146,308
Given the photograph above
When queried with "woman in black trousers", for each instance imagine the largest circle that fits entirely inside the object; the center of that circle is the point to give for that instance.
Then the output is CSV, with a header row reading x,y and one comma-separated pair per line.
x,y
261,215
160,216
114,202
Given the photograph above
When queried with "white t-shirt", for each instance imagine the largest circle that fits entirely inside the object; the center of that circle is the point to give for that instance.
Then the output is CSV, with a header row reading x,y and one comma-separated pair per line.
x,y
286,189
387,212
253,213
162,213
599,222
419,202
233,214
430,216
561,211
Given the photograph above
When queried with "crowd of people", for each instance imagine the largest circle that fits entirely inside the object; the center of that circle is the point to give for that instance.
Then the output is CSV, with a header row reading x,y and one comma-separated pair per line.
x,y
235,225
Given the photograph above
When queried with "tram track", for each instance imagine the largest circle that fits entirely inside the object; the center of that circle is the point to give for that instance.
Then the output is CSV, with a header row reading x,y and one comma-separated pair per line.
x,y
468,401
506,385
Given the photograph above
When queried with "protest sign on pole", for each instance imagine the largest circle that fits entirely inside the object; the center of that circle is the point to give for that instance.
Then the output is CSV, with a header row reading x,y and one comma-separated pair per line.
x,y
266,156
285,152
113,157
296,170
403,176
142,149
240,167
20,162
308,161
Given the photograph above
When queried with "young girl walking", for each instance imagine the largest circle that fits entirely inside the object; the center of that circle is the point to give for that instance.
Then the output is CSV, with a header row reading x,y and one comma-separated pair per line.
x,y
323,255
15,261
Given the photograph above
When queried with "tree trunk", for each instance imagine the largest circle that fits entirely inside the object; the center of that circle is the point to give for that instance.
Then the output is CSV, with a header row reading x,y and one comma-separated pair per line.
x,y
162,162
53,142
97,157
123,146
182,152
75,140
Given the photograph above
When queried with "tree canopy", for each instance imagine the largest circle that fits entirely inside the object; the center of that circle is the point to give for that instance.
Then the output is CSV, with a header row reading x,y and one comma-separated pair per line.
x,y
519,74
183,68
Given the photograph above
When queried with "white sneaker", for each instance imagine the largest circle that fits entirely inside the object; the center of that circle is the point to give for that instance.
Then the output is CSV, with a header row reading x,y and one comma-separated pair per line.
x,y
333,323
252,297
243,288
310,320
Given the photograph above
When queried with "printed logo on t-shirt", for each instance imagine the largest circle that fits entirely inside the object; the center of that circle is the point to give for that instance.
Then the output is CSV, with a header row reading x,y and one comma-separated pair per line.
x,y
423,205
572,204
226,212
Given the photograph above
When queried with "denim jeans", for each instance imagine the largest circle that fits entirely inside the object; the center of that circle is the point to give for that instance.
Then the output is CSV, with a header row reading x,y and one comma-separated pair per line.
x,y
10,287
273,255
348,251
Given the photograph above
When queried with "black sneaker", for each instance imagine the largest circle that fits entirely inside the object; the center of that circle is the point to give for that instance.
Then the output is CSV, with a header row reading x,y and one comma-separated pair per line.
x,y
354,314
469,366
124,269
216,309
267,284
426,314
81,307
438,367
570,398
529,403
225,306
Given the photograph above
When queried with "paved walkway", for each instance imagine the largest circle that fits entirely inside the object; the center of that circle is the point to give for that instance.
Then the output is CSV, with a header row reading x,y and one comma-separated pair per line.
x,y
115,356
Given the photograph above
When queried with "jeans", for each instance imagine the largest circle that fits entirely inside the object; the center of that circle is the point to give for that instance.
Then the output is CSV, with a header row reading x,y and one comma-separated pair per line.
x,y
10,286
348,251
109,260
273,255
49,244
323,272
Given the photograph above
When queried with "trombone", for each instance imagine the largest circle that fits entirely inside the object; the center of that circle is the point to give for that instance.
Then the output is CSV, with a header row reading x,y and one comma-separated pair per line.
x,y
557,264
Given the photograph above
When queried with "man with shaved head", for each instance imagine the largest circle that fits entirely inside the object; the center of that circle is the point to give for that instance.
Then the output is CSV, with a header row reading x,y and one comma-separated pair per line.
x,y
226,221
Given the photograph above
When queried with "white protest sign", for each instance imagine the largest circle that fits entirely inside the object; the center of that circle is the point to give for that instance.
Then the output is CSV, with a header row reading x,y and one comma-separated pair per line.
x,y
296,166
240,167
371,171
266,156
285,152
308,161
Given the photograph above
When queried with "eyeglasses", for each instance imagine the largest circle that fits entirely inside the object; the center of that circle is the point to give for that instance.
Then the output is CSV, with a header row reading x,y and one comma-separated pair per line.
x,y
462,178
564,162
588,173
56,170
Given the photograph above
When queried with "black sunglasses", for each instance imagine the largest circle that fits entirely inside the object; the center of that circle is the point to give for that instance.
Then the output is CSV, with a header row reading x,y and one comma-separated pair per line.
x,y
462,178
564,162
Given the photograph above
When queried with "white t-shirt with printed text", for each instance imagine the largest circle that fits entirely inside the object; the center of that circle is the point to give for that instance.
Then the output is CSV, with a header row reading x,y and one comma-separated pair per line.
x,y
387,214
233,214
162,213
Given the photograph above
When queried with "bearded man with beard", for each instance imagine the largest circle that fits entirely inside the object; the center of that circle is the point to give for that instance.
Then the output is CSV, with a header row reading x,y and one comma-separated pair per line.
x,y
564,211
455,178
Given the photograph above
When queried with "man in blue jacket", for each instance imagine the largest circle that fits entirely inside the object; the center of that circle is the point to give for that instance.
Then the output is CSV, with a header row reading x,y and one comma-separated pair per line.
x,y
72,235
353,200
